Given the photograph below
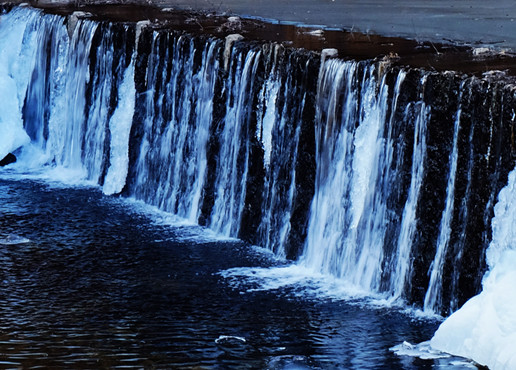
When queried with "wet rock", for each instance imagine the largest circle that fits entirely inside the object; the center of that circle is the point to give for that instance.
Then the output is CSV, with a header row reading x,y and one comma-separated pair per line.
x,y
230,40
329,53
8,159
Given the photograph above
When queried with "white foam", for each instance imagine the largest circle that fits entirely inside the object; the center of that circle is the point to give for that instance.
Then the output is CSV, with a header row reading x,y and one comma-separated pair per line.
x,y
484,329
31,165
299,280
187,229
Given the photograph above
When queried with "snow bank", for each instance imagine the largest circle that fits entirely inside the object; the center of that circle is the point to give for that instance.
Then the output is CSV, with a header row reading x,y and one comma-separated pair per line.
x,y
484,329
16,59
12,134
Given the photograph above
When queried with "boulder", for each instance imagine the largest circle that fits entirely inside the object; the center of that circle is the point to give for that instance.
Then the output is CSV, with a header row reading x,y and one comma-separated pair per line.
x,y
8,159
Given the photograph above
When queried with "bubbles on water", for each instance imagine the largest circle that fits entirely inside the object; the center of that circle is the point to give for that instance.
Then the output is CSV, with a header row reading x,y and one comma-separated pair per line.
x,y
296,280
289,362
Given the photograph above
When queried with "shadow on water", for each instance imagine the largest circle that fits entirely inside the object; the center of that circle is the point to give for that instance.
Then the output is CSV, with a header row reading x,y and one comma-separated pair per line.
x,y
101,286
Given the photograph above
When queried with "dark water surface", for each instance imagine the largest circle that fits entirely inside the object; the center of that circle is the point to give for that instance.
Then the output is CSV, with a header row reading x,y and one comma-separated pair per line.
x,y
101,286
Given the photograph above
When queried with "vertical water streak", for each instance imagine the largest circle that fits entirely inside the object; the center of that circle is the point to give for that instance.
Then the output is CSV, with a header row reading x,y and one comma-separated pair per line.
x,y
177,116
281,107
145,184
400,274
36,106
67,116
464,214
120,128
176,134
329,215
99,109
194,127
432,301
348,217
234,144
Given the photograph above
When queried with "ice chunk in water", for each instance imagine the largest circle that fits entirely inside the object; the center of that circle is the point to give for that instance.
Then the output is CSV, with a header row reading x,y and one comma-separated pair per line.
x,y
229,339
13,239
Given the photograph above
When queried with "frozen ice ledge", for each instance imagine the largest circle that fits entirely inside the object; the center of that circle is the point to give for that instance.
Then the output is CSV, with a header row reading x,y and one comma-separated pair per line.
x,y
357,156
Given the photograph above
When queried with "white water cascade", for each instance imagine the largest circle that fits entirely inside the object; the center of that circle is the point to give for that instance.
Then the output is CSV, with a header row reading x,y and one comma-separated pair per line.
x,y
171,165
234,153
279,130
355,170
65,122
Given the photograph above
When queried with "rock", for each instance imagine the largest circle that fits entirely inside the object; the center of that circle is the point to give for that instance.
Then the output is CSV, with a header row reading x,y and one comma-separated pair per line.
x,y
230,40
9,158
329,53
73,19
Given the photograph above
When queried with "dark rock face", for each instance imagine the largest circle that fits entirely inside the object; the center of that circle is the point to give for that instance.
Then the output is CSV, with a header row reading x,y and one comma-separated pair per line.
x,y
8,159
485,157
441,94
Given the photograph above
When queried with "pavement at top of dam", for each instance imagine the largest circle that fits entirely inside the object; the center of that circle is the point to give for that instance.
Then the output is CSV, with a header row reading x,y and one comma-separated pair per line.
x,y
470,36
470,22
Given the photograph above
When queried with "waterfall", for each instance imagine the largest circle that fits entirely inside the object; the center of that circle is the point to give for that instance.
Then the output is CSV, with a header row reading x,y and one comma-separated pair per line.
x,y
384,177
356,174
68,103
176,108
280,120
400,265
433,294
232,169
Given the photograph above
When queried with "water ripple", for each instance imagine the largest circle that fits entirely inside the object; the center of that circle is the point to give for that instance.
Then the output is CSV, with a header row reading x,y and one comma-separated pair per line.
x,y
101,286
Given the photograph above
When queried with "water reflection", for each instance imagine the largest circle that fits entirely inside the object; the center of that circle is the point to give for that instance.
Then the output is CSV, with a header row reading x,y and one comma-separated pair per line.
x,y
99,286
